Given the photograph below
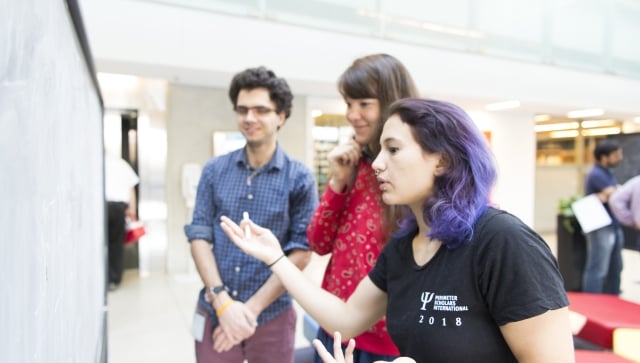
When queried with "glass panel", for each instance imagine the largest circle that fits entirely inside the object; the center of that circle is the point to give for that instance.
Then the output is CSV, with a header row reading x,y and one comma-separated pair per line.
x,y
235,7
518,20
454,13
625,47
594,35
578,25
347,16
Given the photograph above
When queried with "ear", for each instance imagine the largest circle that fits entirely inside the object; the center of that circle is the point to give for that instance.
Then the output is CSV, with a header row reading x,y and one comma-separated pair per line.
x,y
442,166
281,119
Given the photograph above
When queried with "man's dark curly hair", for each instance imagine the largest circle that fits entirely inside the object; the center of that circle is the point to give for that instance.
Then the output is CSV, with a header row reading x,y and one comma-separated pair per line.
x,y
262,77
605,148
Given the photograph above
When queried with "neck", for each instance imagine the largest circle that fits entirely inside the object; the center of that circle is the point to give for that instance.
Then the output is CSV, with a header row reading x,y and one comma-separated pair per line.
x,y
423,229
259,154
424,248
416,209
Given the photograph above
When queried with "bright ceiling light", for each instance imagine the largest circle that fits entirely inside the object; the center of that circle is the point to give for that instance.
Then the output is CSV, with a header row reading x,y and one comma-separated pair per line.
x,y
505,105
601,131
591,112
597,123
542,118
117,81
563,134
636,120
557,126
316,113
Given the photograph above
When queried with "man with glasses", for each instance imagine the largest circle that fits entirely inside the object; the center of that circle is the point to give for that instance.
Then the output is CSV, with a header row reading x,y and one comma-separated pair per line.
x,y
243,312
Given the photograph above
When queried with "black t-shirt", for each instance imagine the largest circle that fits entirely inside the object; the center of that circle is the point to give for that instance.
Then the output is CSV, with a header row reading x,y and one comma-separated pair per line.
x,y
450,309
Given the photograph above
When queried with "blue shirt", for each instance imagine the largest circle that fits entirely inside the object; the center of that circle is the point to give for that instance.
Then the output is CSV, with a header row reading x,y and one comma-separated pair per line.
x,y
598,179
281,195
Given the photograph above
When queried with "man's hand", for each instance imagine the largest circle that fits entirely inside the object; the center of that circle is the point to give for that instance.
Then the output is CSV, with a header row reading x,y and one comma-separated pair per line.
x,y
237,323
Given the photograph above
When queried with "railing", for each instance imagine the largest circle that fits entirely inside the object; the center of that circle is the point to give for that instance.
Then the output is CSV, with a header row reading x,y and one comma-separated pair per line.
x,y
593,35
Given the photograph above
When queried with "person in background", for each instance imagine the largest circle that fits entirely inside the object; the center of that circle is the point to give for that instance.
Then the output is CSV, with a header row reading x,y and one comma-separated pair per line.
x,y
120,194
625,203
243,312
603,264
459,281
350,221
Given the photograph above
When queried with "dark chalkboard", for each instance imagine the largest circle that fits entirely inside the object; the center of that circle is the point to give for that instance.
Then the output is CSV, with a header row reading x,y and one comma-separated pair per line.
x,y
630,165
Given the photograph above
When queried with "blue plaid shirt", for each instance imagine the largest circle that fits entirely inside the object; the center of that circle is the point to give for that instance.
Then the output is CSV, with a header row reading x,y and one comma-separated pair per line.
x,y
281,195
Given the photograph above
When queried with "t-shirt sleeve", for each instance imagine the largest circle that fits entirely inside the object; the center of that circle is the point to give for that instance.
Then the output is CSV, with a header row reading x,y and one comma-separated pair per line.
x,y
378,274
518,274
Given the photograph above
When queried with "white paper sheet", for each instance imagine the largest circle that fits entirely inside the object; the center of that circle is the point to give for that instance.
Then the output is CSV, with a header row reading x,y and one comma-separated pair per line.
x,y
590,213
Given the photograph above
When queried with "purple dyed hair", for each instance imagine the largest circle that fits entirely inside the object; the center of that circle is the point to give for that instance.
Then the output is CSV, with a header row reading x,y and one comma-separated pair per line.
x,y
461,193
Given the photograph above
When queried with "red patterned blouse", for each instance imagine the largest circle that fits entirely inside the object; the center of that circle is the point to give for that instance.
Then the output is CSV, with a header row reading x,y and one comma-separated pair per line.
x,y
350,226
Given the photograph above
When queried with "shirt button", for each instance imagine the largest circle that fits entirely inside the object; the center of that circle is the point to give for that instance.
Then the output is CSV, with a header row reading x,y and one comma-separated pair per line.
x,y
237,269
250,196
234,293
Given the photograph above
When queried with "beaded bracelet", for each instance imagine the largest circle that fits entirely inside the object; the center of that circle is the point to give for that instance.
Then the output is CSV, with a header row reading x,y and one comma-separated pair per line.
x,y
224,307
274,262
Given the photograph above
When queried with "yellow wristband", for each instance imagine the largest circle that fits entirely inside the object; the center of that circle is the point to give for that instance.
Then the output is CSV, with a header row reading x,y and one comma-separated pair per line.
x,y
224,307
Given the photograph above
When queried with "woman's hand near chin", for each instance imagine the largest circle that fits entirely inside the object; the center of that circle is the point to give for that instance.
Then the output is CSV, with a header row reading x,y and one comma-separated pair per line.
x,y
343,161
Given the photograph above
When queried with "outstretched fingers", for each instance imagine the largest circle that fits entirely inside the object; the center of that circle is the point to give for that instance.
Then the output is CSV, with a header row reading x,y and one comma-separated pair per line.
x,y
258,242
338,356
348,355
233,231
322,352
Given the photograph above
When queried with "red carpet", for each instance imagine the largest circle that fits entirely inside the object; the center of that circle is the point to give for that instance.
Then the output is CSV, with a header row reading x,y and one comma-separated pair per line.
x,y
604,314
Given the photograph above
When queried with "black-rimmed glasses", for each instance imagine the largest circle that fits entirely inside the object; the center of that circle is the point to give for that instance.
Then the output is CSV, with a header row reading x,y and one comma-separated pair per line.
x,y
257,110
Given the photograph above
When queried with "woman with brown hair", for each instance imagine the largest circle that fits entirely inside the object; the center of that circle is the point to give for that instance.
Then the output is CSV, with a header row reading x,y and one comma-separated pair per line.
x,y
350,222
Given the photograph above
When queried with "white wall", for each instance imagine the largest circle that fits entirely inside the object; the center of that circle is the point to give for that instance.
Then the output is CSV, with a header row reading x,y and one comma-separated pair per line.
x,y
52,259
552,184
513,143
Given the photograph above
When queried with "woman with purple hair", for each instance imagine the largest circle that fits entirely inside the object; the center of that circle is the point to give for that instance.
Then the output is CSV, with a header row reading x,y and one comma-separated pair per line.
x,y
459,281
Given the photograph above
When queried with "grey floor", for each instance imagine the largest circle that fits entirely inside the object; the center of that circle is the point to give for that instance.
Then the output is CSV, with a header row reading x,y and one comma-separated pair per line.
x,y
150,314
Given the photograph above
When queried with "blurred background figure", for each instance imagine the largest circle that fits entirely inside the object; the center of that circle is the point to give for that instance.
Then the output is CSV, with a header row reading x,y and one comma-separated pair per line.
x,y
625,205
603,264
120,194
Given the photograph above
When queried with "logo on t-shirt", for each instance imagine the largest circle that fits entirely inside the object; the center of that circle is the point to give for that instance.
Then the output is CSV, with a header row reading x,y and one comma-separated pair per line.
x,y
441,302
